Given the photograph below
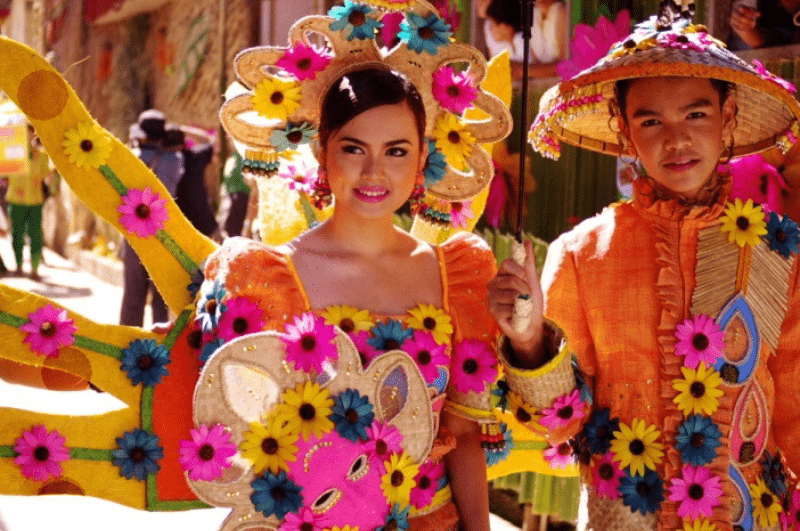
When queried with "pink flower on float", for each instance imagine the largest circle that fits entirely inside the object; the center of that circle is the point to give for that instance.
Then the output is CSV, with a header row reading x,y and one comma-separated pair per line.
x,y
790,519
591,44
565,408
454,92
49,329
427,481
474,366
303,62
242,317
606,474
143,212
309,342
365,350
427,353
559,456
304,520
391,27
299,178
698,492
208,453
40,453
460,213
700,339
383,441
769,76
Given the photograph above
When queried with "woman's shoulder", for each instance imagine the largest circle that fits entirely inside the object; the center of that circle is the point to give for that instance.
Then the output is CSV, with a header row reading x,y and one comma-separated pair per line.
x,y
243,255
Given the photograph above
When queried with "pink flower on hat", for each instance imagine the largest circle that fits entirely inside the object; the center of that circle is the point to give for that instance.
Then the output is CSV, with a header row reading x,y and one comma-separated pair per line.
x,y
303,62
143,212
49,329
40,453
769,76
454,92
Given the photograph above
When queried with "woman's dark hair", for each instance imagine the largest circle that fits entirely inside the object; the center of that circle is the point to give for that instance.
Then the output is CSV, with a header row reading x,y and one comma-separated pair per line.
x,y
174,136
622,87
362,90
506,12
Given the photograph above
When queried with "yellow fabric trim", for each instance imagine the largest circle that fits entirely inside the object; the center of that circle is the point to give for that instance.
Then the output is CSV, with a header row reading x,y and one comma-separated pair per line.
x,y
471,413
445,281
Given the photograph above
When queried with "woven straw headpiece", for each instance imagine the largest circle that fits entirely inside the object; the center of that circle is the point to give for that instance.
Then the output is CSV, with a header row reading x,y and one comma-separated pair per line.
x,y
578,110
286,87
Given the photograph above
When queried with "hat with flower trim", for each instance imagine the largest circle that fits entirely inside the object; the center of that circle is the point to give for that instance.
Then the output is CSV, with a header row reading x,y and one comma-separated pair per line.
x,y
281,107
579,110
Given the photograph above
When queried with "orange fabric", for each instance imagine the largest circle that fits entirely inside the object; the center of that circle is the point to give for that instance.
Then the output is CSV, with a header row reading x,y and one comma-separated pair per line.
x,y
617,285
443,519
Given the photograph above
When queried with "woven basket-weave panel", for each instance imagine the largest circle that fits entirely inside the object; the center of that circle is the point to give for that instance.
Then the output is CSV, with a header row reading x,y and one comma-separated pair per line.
x,y
542,391
613,515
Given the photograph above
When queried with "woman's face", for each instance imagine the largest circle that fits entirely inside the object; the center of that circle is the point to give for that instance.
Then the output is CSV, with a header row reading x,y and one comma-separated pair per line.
x,y
372,162
678,129
501,32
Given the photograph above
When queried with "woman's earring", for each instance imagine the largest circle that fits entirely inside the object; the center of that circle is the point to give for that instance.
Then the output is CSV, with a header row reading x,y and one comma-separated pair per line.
x,y
417,194
321,193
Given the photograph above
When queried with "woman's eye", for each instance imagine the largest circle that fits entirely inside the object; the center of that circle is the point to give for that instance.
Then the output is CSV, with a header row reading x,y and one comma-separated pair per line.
x,y
397,152
359,468
352,149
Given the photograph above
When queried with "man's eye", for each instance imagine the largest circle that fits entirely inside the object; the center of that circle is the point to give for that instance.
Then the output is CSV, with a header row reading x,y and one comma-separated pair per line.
x,y
696,114
649,123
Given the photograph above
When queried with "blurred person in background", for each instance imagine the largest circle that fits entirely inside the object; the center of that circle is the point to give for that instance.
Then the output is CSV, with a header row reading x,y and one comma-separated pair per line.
x,y
765,23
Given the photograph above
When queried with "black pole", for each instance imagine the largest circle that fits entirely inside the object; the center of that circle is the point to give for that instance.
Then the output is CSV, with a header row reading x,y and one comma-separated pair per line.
x,y
527,22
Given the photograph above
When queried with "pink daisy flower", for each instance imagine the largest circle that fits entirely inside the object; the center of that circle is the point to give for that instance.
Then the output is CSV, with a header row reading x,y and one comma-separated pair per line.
x,y
299,178
208,453
40,453
143,212
474,366
383,441
427,481
427,353
49,329
606,474
565,408
680,42
790,519
309,342
766,74
242,317
454,92
460,213
365,350
303,62
304,520
700,339
559,456
698,492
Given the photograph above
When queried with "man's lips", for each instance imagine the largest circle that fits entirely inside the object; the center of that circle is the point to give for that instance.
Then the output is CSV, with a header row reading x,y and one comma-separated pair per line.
x,y
681,164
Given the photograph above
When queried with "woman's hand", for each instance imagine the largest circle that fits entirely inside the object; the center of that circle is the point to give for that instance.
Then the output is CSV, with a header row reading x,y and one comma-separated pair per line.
x,y
511,281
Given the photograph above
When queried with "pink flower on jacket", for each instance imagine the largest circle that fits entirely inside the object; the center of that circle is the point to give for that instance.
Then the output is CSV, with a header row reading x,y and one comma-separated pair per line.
x,y
565,408
474,366
365,350
309,342
49,329
697,492
454,92
427,353
242,317
790,519
700,339
384,440
559,456
303,62
427,482
606,474
144,212
591,44
304,520
40,453
208,453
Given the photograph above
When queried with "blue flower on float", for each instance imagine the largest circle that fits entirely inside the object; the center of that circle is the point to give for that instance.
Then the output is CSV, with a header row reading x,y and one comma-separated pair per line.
x,y
210,307
435,164
642,493
354,18
599,431
389,335
210,348
197,280
496,456
397,519
782,235
138,454
352,415
292,137
697,440
276,495
144,361
772,473
424,33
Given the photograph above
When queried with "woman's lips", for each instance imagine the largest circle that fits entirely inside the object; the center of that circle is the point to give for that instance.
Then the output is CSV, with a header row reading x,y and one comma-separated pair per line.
x,y
371,194
682,165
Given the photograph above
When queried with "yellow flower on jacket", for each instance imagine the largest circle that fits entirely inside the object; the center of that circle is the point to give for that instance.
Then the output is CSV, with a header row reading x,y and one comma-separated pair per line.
x,y
744,223
87,146
698,390
525,414
636,446
398,480
275,98
306,409
699,525
349,319
269,446
429,318
766,506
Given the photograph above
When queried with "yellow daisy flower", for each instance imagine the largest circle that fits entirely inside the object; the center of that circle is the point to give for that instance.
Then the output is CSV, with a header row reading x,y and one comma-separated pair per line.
x,y
269,446
698,390
744,223
631,46
428,317
349,319
87,146
399,479
276,99
345,528
453,140
699,525
306,409
636,446
766,506
524,413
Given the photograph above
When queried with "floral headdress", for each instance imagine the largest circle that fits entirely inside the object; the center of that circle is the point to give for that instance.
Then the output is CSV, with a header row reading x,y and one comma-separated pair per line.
x,y
286,86
579,110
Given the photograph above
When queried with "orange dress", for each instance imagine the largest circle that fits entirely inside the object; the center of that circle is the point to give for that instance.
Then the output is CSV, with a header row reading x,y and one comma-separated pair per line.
x,y
620,285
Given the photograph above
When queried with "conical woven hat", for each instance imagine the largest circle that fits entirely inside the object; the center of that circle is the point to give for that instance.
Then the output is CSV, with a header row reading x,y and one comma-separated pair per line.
x,y
577,111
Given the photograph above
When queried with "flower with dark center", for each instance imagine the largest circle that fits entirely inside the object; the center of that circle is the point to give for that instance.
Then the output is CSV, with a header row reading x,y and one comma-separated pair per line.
x,y
743,222
276,98
138,454
145,361
697,389
48,329
142,211
453,137
700,341
86,145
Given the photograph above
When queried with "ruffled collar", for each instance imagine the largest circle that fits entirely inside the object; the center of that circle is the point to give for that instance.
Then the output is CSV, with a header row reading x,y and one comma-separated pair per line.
x,y
709,205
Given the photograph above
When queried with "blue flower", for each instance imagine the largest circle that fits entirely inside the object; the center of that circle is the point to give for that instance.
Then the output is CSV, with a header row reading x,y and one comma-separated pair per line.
x,y
276,495
138,454
435,164
352,415
782,234
197,280
144,360
292,136
772,472
210,307
354,18
642,494
389,335
424,33
494,456
210,348
599,431
580,379
397,519
697,440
